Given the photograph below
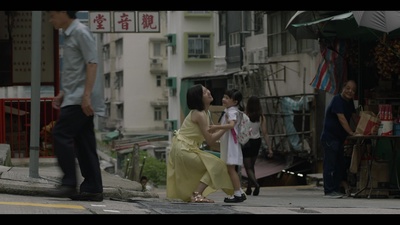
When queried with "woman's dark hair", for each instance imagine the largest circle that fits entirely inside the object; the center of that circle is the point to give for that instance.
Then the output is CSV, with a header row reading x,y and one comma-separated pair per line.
x,y
235,95
194,97
254,109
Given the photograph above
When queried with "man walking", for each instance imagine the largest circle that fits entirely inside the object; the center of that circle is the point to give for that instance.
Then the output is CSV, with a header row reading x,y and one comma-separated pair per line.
x,y
79,100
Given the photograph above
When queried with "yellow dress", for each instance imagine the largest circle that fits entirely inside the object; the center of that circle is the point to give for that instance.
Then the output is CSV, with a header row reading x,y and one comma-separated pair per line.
x,y
188,165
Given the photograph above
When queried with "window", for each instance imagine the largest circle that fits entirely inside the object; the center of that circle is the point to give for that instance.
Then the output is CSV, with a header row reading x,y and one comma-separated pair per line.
x,y
119,80
108,108
158,80
120,111
107,82
291,44
222,27
106,52
307,45
157,113
259,22
280,41
157,49
199,46
234,39
247,21
119,47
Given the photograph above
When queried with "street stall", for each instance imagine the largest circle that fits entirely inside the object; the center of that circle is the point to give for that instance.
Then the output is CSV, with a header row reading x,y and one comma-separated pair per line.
x,y
377,174
363,46
379,170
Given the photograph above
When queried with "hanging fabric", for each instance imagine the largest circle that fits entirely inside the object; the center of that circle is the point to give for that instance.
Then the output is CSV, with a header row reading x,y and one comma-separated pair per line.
x,y
332,71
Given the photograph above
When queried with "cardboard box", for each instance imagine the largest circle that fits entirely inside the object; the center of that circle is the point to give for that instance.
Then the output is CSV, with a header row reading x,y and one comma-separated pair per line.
x,y
379,179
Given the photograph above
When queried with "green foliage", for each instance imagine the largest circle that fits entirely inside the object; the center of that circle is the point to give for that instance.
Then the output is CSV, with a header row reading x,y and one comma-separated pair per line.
x,y
155,170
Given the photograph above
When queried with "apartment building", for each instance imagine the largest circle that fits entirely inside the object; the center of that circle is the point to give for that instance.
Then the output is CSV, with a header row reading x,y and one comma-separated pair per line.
x,y
135,72
211,47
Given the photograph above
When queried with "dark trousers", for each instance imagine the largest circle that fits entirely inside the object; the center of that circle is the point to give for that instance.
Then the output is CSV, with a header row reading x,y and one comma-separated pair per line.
x,y
74,137
333,165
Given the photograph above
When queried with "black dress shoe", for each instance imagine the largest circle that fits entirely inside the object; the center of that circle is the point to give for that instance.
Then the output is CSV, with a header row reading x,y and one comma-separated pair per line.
x,y
256,191
248,191
63,192
86,196
235,199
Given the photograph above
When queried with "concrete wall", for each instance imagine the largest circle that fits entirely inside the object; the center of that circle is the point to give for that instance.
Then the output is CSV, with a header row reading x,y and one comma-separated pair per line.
x,y
5,155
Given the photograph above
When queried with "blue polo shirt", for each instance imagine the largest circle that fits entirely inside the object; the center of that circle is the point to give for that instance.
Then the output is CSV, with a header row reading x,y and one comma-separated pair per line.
x,y
333,130
79,49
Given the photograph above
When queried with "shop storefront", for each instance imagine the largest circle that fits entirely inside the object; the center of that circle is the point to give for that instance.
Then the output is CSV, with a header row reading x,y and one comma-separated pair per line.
x,y
370,56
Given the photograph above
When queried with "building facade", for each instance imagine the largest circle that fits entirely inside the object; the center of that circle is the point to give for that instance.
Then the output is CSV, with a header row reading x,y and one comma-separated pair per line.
x,y
135,72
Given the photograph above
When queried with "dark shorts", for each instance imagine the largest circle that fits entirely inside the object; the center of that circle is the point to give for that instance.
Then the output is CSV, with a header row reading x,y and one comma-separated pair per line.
x,y
251,148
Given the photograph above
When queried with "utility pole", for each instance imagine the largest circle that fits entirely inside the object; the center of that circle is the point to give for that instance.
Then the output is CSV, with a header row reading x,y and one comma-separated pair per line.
x,y
36,58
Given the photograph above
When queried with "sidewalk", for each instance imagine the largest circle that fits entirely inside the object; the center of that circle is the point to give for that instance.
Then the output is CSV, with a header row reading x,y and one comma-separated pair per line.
x,y
299,200
307,199
17,180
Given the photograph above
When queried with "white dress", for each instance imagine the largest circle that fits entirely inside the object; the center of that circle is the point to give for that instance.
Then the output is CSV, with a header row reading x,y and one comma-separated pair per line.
x,y
231,152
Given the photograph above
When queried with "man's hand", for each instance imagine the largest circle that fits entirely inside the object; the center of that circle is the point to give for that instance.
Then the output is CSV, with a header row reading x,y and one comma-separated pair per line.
x,y
86,106
58,100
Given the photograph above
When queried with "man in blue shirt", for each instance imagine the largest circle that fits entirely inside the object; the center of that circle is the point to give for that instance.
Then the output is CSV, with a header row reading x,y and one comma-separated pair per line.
x,y
336,129
79,100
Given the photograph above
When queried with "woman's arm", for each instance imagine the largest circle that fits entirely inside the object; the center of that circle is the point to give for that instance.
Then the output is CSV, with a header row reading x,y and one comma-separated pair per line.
x,y
227,126
201,119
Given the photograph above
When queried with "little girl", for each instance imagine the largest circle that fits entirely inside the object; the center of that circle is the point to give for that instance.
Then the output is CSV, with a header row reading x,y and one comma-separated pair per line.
x,y
231,151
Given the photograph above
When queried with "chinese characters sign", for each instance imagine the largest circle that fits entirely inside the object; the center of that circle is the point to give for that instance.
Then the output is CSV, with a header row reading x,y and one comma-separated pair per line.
x,y
124,21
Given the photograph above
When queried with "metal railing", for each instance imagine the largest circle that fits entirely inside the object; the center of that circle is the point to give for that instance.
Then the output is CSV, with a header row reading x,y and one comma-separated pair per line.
x,y
15,126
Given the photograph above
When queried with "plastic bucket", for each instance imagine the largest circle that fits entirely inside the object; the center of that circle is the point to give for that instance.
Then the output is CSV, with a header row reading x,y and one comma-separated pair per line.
x,y
386,128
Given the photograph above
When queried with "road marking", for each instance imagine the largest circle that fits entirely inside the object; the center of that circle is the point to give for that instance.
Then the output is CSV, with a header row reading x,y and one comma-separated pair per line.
x,y
44,205
109,210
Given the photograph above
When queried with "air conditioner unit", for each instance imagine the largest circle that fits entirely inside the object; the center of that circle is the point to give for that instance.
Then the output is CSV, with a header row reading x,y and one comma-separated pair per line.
x,y
265,54
261,56
156,61
251,60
